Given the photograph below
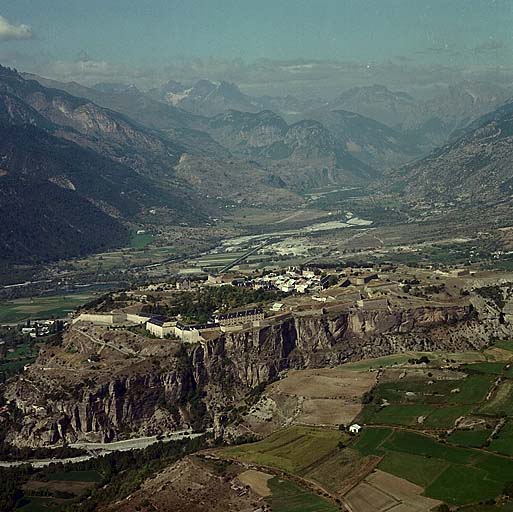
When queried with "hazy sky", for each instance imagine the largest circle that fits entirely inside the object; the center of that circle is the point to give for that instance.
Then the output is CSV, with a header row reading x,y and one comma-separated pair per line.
x,y
115,35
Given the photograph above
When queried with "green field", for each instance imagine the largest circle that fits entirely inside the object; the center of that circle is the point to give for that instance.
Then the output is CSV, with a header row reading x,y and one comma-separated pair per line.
x,y
286,496
395,414
473,389
470,390
418,444
405,425
293,449
24,351
460,485
370,440
487,368
501,403
382,362
140,241
507,345
434,465
16,360
505,507
15,366
445,417
504,442
436,406
55,501
415,468
469,438
17,310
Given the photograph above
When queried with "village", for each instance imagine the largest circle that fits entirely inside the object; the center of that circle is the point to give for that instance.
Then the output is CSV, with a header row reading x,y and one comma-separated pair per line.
x,y
301,291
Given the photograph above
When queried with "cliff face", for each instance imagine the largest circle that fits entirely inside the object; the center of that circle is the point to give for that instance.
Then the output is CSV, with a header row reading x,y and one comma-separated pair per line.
x,y
190,386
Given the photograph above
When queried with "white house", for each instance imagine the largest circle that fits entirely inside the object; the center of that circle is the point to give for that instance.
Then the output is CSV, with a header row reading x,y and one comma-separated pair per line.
x,y
355,428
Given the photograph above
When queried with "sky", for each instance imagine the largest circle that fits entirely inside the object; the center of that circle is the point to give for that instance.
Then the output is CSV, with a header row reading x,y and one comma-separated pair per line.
x,y
141,40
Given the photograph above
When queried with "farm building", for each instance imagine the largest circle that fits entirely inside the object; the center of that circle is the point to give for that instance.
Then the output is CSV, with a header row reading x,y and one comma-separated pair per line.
x,y
355,428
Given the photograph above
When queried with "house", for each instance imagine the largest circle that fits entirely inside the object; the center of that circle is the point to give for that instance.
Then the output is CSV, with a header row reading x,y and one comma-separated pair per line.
x,y
301,288
277,306
214,280
355,428
184,284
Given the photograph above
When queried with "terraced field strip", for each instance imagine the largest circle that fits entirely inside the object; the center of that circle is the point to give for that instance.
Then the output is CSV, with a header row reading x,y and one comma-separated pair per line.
x,y
382,491
291,450
469,438
287,496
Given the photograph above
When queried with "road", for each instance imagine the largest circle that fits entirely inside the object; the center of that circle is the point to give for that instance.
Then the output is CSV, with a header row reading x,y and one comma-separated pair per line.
x,y
246,255
98,449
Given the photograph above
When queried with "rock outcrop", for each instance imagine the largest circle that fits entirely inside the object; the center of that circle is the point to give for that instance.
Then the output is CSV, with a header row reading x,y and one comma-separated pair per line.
x,y
168,386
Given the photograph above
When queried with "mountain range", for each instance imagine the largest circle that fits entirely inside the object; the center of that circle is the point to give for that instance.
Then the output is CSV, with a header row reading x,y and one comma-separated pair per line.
x,y
102,171
427,122
109,154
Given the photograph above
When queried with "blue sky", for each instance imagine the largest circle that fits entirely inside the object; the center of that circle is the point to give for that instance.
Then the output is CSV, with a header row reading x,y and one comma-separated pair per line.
x,y
141,31
145,33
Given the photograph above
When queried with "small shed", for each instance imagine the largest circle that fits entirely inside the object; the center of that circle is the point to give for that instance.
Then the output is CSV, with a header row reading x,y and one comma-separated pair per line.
x,y
355,428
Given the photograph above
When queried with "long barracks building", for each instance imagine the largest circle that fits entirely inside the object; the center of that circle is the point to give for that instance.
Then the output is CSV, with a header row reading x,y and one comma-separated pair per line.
x,y
240,317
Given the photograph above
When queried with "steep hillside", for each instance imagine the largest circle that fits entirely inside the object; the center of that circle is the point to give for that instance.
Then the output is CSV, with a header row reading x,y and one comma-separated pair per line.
x,y
431,123
55,201
205,97
88,124
172,385
426,122
42,221
370,141
174,124
74,175
476,167
304,154
250,183
377,102
319,157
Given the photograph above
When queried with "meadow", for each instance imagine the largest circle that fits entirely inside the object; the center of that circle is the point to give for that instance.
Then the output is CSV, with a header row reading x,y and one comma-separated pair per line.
x,y
58,306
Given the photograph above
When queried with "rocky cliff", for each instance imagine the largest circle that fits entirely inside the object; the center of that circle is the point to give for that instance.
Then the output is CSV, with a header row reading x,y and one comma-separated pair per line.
x,y
70,394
